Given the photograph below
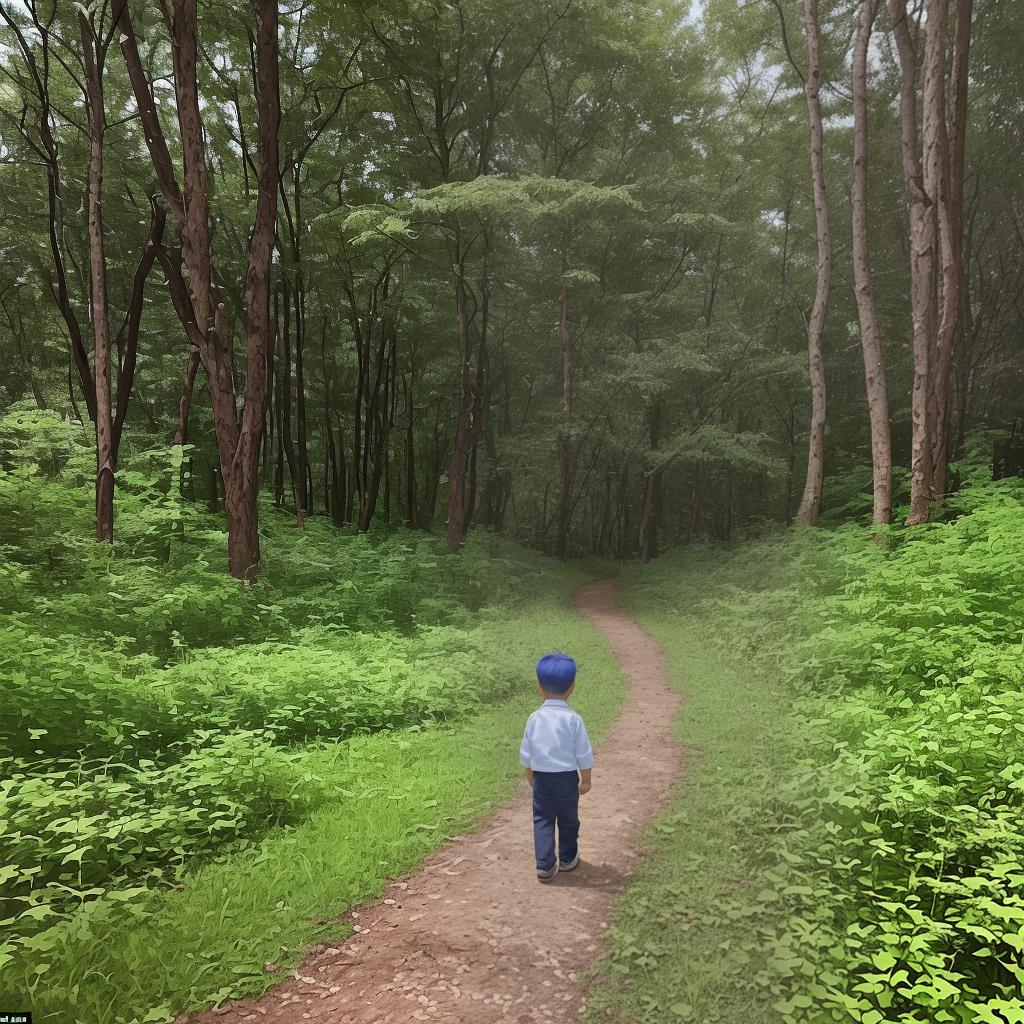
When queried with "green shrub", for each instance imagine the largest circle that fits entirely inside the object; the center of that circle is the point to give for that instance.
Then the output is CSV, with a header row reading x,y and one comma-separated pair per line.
x,y
890,876
71,834
157,714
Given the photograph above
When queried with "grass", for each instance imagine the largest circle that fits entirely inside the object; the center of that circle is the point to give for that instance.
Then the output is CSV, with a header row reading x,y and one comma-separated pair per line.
x,y
394,797
689,941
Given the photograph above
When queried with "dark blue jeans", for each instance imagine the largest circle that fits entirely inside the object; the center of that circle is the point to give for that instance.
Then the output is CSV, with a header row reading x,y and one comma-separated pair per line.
x,y
556,798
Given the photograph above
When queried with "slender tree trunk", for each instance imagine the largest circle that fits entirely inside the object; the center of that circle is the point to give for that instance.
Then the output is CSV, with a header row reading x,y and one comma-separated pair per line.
x,y
951,244
285,397
810,504
201,307
566,452
410,453
935,167
458,466
337,507
693,528
481,392
652,493
870,335
105,458
922,260
303,490
281,399
185,400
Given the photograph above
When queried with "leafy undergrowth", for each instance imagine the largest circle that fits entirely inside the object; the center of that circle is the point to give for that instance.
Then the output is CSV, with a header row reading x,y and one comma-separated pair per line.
x,y
884,882
191,770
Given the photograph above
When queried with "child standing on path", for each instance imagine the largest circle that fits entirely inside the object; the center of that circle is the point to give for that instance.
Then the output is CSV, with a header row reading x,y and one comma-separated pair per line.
x,y
555,745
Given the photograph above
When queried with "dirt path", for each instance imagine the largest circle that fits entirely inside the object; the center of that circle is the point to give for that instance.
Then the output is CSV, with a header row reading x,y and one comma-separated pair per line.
x,y
472,937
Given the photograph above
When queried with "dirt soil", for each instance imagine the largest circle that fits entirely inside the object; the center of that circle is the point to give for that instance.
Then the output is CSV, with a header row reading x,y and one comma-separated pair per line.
x,y
472,937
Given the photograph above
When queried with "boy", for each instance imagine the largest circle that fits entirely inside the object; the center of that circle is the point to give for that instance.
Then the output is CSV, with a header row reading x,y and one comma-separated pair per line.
x,y
555,745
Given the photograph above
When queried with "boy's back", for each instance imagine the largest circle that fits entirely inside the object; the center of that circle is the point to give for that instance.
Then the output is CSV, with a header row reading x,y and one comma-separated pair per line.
x,y
555,739
558,758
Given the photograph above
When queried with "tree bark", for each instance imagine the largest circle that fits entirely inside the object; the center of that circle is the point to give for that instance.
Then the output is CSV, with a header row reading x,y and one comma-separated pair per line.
x,y
935,161
566,452
285,397
922,261
411,518
481,395
238,435
810,504
951,229
870,335
693,527
185,400
457,467
652,493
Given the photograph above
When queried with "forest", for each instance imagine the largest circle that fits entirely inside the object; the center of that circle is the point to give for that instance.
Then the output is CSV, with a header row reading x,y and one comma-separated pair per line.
x,y
348,346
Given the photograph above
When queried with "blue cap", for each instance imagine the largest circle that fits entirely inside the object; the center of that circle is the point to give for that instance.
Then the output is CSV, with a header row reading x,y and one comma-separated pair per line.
x,y
556,672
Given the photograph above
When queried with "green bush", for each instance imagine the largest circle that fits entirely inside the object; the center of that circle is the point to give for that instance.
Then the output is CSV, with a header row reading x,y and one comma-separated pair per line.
x,y
71,834
157,713
890,868
905,869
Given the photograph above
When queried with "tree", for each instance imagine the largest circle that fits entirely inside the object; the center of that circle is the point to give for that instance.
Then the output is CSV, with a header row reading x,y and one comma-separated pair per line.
x,y
199,302
870,333
951,229
106,398
935,182
810,503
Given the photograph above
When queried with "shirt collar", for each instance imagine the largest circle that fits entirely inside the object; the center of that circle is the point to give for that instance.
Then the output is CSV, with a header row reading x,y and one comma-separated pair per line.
x,y
556,701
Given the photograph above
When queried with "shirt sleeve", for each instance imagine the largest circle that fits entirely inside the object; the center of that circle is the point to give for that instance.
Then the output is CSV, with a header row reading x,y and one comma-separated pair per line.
x,y
526,747
584,751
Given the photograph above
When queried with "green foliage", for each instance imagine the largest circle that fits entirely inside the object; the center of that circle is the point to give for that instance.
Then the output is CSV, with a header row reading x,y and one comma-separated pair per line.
x,y
159,715
877,825
357,813
74,834
904,863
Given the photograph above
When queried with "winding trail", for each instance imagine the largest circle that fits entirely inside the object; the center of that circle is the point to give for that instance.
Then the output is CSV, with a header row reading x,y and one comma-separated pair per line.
x,y
472,938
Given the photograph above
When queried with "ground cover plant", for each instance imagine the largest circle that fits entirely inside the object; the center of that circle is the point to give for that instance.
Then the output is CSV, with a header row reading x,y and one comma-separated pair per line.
x,y
852,847
149,770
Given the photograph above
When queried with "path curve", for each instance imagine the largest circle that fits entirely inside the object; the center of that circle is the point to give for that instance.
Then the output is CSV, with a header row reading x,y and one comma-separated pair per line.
x,y
472,938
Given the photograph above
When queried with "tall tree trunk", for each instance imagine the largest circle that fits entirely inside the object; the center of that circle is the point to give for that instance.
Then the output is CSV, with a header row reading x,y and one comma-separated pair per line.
x,y
810,504
185,399
410,452
285,397
566,451
693,528
935,167
951,244
206,322
481,391
302,488
280,400
458,466
98,286
652,493
922,261
870,335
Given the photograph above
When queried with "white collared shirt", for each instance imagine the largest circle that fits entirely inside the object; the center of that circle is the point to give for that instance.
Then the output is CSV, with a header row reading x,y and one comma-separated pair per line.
x,y
555,740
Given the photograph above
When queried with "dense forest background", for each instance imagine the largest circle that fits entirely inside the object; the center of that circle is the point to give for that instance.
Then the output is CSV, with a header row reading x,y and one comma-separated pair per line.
x,y
551,270
376,305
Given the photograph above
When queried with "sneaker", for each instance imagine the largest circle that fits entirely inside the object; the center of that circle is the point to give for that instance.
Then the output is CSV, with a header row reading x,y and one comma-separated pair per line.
x,y
572,865
547,876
